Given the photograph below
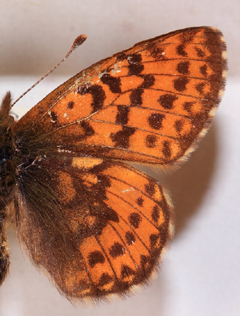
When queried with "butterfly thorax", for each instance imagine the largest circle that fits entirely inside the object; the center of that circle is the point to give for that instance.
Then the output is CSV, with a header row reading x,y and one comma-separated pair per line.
x,y
7,168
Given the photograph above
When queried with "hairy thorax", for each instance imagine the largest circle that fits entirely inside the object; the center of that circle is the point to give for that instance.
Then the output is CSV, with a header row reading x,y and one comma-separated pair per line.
x,y
7,167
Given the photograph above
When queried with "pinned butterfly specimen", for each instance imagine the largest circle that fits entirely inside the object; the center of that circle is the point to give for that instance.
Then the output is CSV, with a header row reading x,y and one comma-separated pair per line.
x,y
94,224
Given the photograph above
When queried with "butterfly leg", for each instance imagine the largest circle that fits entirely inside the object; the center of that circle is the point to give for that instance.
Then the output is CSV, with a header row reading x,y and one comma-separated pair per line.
x,y
4,248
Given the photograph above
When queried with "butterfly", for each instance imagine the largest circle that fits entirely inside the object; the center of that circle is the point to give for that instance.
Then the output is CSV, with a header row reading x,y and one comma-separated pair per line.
x,y
94,224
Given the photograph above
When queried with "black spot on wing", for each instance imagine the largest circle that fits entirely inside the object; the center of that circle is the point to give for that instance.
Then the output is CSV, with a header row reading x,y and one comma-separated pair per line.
x,y
167,149
180,83
113,83
97,93
122,115
178,125
135,67
134,219
134,59
121,138
116,250
88,130
105,279
151,141
140,201
203,70
70,105
180,50
150,188
95,257
155,213
155,120
199,87
126,272
167,100
121,56
188,106
183,67
148,81
136,97
200,53
130,238
156,52
154,239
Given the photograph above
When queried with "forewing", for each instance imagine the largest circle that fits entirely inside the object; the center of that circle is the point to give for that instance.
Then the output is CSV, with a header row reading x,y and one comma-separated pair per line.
x,y
95,227
149,103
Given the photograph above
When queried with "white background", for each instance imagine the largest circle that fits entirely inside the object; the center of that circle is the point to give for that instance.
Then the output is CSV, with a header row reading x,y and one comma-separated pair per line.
x,y
201,271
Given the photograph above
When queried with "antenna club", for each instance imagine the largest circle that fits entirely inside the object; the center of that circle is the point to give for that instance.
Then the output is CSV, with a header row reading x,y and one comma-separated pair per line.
x,y
79,40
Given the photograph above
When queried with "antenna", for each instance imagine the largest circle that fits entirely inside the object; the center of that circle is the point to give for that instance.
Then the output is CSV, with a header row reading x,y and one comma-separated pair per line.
x,y
78,41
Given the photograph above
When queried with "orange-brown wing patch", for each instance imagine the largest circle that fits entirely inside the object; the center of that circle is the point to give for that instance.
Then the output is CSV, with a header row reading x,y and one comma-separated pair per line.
x,y
100,227
149,103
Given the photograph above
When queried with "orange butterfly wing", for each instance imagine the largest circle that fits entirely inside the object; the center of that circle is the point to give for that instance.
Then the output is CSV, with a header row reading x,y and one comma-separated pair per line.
x,y
99,228
96,225
147,104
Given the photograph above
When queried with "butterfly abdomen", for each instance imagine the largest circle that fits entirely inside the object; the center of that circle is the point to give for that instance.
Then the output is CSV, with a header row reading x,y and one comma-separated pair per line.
x,y
7,179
